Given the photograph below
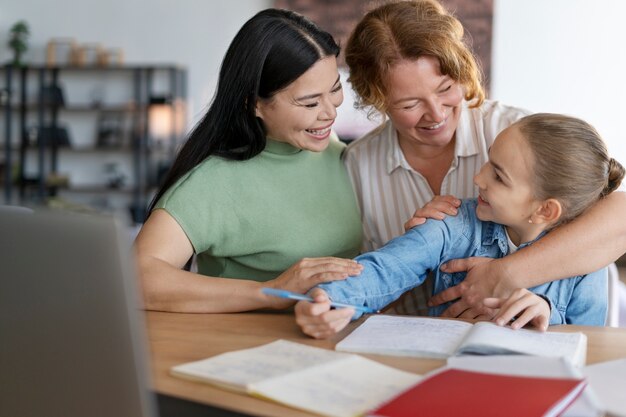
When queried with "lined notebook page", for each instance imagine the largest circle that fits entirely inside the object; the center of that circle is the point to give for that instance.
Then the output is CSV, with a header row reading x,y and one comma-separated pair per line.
x,y
341,389
322,381
406,336
241,368
490,338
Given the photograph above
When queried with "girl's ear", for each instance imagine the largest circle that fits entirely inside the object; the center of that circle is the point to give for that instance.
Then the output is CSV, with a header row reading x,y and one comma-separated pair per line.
x,y
549,211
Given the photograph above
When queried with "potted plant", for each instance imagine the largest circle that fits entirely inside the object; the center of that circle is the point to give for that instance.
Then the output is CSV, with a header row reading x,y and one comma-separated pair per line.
x,y
18,38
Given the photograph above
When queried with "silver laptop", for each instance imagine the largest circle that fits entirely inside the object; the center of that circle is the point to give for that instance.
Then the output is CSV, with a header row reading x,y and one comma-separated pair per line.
x,y
72,340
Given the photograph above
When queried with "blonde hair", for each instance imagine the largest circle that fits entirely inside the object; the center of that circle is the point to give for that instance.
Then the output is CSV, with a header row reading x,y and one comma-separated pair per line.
x,y
408,30
571,162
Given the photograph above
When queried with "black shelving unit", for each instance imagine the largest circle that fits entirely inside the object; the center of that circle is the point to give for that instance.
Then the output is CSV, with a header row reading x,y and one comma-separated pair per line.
x,y
18,108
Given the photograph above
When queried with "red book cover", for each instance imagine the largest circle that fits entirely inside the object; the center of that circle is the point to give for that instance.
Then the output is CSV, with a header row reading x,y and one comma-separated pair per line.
x,y
455,392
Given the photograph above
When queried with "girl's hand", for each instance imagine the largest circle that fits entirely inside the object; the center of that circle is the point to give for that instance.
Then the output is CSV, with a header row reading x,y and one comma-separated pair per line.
x,y
309,272
523,305
437,208
317,319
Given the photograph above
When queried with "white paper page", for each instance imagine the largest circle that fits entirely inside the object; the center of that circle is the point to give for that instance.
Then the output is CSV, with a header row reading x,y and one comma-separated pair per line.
x,y
608,380
340,389
490,338
406,336
586,405
243,367
516,365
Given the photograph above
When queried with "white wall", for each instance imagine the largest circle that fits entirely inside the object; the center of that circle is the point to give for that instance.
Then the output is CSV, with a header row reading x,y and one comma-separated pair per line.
x,y
192,33
560,55
564,56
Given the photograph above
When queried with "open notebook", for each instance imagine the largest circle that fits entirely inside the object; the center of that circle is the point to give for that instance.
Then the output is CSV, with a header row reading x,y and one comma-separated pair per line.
x,y
427,337
318,380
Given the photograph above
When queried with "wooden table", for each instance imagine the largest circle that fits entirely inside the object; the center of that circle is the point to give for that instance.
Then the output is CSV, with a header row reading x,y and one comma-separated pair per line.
x,y
179,338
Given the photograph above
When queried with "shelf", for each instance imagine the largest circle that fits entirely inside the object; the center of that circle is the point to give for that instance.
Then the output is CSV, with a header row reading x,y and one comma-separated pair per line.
x,y
93,189
91,68
122,108
80,189
51,114
89,149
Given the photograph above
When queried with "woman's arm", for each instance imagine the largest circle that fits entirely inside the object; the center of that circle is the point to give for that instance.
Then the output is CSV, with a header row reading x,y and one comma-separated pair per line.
x,y
587,244
162,249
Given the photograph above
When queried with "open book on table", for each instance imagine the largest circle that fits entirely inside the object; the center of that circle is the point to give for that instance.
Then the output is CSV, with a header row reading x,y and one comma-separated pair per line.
x,y
318,380
437,338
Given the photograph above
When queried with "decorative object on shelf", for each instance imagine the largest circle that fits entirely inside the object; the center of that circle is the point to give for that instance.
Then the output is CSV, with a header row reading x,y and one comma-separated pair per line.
x,y
18,41
97,96
111,57
110,132
88,55
161,119
53,135
59,203
52,95
55,179
60,51
115,178
4,96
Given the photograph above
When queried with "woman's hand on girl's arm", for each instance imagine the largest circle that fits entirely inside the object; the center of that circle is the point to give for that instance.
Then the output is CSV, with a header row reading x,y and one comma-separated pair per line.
x,y
523,306
437,208
482,281
162,249
309,272
317,319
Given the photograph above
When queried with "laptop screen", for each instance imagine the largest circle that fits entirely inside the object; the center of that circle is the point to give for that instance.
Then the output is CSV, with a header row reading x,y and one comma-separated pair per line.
x,y
72,339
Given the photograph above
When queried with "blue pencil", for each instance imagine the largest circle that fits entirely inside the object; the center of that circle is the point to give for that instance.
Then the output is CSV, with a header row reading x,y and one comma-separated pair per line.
x,y
302,297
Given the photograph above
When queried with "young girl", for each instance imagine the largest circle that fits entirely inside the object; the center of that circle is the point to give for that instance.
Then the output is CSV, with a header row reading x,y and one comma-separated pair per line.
x,y
543,171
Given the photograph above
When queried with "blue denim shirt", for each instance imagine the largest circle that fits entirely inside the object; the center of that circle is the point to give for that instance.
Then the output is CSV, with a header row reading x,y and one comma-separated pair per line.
x,y
404,262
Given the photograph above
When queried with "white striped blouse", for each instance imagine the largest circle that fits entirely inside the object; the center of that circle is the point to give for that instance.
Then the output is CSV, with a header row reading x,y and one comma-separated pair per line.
x,y
389,191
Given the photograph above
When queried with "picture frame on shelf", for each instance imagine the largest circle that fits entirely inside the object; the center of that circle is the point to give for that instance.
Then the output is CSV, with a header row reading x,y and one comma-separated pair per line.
x,y
111,130
111,57
60,51
87,55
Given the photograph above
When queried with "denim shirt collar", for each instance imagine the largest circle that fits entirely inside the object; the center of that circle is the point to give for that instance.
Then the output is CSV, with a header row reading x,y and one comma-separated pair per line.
x,y
542,234
494,233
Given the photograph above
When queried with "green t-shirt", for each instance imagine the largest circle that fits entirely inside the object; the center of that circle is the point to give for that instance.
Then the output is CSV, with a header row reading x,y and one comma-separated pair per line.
x,y
253,219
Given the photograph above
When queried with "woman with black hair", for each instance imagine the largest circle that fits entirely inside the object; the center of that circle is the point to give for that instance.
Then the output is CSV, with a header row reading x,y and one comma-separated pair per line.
x,y
259,184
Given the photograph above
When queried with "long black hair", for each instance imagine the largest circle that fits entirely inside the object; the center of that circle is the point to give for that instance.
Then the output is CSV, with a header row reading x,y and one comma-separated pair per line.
x,y
270,51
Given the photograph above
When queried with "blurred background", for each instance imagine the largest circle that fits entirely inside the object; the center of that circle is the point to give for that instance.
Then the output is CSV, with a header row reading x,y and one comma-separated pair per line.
x,y
97,96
